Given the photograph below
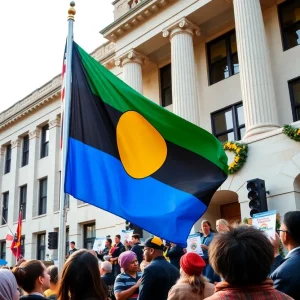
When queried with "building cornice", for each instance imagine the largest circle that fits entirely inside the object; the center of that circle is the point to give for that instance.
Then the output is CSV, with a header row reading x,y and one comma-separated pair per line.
x,y
133,18
49,92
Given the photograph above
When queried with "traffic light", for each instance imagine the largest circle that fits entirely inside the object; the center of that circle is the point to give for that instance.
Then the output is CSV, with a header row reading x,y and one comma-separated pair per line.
x,y
52,240
129,225
257,196
136,229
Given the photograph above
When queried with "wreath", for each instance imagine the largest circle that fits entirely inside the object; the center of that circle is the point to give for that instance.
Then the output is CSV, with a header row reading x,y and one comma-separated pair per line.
x,y
292,132
241,152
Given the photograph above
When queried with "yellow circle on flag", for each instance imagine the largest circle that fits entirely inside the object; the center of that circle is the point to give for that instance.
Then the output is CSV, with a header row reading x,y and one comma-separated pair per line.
x,y
141,147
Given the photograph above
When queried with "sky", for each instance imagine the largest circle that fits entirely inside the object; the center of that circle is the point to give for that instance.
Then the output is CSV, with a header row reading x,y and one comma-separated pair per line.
x,y
33,34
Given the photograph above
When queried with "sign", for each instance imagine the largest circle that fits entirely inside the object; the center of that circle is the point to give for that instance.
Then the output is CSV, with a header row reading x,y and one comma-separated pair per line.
x,y
126,235
266,222
99,244
194,244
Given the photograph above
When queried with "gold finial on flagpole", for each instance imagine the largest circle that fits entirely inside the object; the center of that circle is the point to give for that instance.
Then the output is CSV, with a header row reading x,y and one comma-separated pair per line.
x,y
71,11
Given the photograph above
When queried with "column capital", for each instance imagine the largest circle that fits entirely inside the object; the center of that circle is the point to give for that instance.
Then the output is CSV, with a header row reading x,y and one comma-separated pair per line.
x,y
2,150
54,123
181,26
34,134
132,56
16,143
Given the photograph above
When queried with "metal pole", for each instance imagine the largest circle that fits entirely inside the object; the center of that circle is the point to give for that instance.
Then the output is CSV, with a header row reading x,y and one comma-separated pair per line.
x,y
66,123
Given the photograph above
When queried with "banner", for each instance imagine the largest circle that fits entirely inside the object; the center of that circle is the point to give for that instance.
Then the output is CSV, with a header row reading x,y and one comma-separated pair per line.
x,y
194,244
99,244
265,222
126,235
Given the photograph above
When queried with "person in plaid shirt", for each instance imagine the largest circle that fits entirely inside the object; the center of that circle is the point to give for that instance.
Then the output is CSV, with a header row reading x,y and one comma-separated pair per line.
x,y
243,258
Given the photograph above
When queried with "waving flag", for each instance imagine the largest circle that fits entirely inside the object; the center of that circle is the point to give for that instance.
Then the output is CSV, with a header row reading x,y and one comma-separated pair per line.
x,y
16,244
135,159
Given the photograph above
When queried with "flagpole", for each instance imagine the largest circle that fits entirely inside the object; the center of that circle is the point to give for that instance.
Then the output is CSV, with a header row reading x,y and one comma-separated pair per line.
x,y
65,138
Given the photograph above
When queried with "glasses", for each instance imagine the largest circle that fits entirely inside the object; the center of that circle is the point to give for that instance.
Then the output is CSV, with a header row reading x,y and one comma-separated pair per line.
x,y
278,231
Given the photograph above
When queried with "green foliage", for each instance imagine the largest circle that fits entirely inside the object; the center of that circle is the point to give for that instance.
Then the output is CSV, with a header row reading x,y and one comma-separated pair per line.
x,y
291,132
240,151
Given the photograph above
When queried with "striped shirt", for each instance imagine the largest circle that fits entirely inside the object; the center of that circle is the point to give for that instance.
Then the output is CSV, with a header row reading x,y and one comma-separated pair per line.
x,y
124,281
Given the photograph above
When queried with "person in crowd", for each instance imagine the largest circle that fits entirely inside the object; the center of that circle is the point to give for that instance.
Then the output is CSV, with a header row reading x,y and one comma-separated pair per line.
x,y
73,248
287,276
222,225
127,245
174,253
115,252
108,278
33,278
159,276
243,258
206,239
137,248
8,286
127,283
80,278
52,291
191,285
103,253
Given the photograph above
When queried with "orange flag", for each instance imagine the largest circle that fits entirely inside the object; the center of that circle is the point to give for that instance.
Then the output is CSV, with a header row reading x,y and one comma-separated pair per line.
x,y
16,244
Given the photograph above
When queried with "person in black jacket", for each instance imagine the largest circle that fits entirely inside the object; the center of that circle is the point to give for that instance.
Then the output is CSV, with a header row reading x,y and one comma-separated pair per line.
x,y
287,276
33,278
137,248
159,276
175,252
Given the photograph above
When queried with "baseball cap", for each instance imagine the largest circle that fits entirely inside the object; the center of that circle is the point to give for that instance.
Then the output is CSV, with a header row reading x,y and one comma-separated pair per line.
x,y
155,243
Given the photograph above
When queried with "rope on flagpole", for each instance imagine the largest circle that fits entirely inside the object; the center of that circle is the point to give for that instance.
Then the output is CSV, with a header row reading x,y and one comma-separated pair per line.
x,y
64,198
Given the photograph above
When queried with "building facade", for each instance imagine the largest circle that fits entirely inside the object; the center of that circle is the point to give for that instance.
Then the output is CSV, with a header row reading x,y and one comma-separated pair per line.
x,y
229,66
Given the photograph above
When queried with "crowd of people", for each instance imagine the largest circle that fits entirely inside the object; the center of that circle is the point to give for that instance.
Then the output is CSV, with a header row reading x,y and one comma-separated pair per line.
x,y
238,262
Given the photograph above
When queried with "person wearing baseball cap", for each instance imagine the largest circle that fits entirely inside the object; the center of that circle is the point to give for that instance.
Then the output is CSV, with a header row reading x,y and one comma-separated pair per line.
x,y
160,275
191,285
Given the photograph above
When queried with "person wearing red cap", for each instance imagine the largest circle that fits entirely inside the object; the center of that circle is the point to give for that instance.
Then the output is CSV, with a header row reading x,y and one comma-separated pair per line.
x,y
191,285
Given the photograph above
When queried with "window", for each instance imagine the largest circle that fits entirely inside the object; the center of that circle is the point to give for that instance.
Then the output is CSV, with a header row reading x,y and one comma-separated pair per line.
x,y
43,197
166,85
3,250
25,151
7,159
5,198
41,246
228,124
289,16
45,141
294,87
23,245
222,57
89,235
23,198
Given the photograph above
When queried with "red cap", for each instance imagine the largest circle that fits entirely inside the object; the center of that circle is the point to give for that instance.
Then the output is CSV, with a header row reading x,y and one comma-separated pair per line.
x,y
192,264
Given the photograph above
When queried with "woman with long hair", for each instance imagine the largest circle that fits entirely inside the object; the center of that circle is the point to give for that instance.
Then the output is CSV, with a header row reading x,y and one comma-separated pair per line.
x,y
33,278
80,278
191,285
8,286
222,225
52,291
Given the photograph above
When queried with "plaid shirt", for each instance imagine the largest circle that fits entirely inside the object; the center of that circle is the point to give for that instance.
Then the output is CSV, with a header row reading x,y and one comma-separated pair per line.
x,y
263,291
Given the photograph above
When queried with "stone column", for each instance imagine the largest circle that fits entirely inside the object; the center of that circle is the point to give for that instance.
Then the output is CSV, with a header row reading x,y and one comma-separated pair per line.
x,y
132,63
32,185
53,174
184,81
255,68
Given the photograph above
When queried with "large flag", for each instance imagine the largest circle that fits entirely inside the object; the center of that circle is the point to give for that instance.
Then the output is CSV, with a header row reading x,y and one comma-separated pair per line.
x,y
16,244
131,157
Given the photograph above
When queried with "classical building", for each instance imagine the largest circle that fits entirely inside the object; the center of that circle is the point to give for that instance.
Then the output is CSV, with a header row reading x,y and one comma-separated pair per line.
x,y
229,66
